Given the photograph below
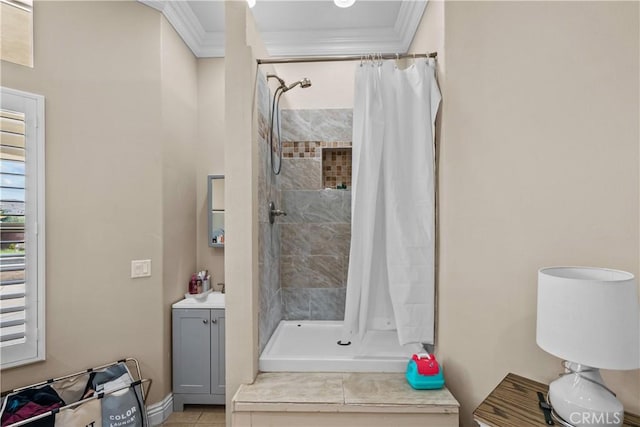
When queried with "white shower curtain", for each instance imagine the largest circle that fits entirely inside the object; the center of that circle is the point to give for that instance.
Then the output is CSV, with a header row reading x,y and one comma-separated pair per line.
x,y
390,282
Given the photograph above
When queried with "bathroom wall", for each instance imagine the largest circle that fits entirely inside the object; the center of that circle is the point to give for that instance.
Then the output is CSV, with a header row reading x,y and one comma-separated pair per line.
x,y
241,198
429,37
98,65
179,153
269,237
316,232
210,158
332,84
539,166
304,255
125,116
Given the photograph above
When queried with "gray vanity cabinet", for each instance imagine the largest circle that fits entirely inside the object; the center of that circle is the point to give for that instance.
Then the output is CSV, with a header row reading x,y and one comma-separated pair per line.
x,y
198,357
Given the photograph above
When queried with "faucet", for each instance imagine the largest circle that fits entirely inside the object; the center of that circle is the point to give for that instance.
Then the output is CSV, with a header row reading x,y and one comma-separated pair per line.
x,y
273,212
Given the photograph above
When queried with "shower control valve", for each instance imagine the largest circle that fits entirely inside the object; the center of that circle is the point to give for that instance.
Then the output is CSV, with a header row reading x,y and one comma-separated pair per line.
x,y
273,212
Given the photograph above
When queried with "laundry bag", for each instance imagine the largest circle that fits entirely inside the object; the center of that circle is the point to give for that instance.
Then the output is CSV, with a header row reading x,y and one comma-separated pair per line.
x,y
30,403
86,415
122,403
107,396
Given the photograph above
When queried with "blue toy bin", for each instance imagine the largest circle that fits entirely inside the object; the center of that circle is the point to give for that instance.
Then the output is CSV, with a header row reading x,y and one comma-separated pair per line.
x,y
423,382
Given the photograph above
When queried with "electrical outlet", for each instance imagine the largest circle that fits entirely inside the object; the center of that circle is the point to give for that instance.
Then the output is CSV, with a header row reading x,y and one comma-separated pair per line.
x,y
140,268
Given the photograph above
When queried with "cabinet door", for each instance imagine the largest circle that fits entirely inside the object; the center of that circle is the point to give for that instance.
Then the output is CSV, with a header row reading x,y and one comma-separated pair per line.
x,y
191,350
217,352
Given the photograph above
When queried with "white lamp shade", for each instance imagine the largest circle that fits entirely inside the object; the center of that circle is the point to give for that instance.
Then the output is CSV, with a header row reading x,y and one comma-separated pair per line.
x,y
344,3
589,316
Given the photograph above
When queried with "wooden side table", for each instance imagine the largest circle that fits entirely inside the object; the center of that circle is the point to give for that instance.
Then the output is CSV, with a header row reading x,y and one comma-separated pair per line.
x,y
514,403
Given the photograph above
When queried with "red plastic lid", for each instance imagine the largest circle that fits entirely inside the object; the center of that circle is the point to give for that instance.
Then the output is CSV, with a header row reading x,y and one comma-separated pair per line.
x,y
426,364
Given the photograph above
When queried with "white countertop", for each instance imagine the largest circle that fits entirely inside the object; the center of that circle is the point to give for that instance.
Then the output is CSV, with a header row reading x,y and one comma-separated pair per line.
x,y
213,300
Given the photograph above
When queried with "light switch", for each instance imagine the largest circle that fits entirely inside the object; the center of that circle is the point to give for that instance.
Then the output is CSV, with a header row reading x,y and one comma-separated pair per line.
x,y
140,268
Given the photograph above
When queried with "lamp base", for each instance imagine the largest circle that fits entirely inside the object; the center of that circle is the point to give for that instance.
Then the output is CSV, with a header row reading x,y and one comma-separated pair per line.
x,y
581,399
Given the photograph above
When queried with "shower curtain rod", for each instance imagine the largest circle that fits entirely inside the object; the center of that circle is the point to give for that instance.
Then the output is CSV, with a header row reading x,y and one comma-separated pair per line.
x,y
345,58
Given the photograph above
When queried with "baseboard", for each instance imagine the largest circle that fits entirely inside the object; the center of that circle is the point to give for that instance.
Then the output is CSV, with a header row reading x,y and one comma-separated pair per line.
x,y
159,412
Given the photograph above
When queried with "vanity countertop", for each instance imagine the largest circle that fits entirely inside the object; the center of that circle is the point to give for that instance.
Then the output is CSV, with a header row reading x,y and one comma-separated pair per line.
x,y
213,300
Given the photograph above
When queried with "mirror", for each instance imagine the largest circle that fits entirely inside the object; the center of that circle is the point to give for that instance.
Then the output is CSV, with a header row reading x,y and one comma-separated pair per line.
x,y
217,200
215,186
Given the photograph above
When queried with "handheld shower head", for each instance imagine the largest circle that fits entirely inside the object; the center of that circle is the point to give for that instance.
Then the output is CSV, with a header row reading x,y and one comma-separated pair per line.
x,y
274,117
304,83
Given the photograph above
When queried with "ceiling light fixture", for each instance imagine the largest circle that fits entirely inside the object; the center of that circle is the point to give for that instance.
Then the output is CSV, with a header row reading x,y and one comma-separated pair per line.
x,y
344,3
251,3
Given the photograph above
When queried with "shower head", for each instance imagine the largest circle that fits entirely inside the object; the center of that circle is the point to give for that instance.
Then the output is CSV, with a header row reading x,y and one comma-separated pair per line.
x,y
304,83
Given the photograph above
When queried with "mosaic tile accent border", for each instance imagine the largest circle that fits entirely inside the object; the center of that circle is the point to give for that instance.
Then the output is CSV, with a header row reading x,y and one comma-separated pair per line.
x,y
336,167
309,149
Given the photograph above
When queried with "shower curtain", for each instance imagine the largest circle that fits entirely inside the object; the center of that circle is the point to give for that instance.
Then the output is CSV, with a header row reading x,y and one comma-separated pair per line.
x,y
390,282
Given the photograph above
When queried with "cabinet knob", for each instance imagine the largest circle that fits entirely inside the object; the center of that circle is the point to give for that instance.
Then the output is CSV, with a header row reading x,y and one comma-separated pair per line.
x,y
214,320
205,321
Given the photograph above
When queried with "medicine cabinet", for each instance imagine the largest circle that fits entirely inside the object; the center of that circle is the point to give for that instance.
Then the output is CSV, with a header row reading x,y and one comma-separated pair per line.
x,y
215,188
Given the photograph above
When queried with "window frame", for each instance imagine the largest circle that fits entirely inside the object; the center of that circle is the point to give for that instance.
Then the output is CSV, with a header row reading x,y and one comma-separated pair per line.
x,y
32,105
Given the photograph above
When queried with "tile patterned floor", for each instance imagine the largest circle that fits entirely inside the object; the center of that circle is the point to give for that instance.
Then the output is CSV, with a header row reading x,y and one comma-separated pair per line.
x,y
197,416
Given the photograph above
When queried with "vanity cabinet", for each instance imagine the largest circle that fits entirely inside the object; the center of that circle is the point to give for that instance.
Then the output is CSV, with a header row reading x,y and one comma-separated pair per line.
x,y
198,357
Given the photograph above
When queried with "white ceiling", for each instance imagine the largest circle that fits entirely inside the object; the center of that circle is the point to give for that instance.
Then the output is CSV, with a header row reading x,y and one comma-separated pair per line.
x,y
301,28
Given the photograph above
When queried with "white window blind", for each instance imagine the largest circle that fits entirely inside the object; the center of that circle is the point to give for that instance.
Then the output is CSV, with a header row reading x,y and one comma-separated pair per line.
x,y
21,235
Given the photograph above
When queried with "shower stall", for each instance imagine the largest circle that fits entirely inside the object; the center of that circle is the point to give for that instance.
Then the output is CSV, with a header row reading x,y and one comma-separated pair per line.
x,y
305,223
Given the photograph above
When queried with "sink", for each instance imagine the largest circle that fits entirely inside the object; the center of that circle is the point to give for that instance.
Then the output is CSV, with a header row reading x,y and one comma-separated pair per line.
x,y
216,298
210,300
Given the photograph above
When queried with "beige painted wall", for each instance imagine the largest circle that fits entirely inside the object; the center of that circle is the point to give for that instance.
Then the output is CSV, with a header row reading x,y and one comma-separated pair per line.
x,y
331,84
98,67
180,151
241,197
210,158
429,36
539,166
121,141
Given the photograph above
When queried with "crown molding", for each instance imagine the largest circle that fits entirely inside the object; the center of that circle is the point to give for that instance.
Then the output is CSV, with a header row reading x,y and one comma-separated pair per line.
x,y
341,42
409,17
396,39
203,44
212,45
156,4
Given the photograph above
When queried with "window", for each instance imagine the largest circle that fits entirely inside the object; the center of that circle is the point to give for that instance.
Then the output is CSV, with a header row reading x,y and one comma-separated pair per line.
x,y
16,31
21,228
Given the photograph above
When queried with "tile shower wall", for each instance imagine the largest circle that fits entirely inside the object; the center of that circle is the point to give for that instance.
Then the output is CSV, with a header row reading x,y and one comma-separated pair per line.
x,y
316,233
271,311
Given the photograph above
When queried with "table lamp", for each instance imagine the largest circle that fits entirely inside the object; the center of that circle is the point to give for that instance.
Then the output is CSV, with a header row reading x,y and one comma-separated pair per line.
x,y
589,317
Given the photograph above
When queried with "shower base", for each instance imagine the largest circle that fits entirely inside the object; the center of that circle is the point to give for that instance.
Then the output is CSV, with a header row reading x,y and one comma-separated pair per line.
x,y
311,346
